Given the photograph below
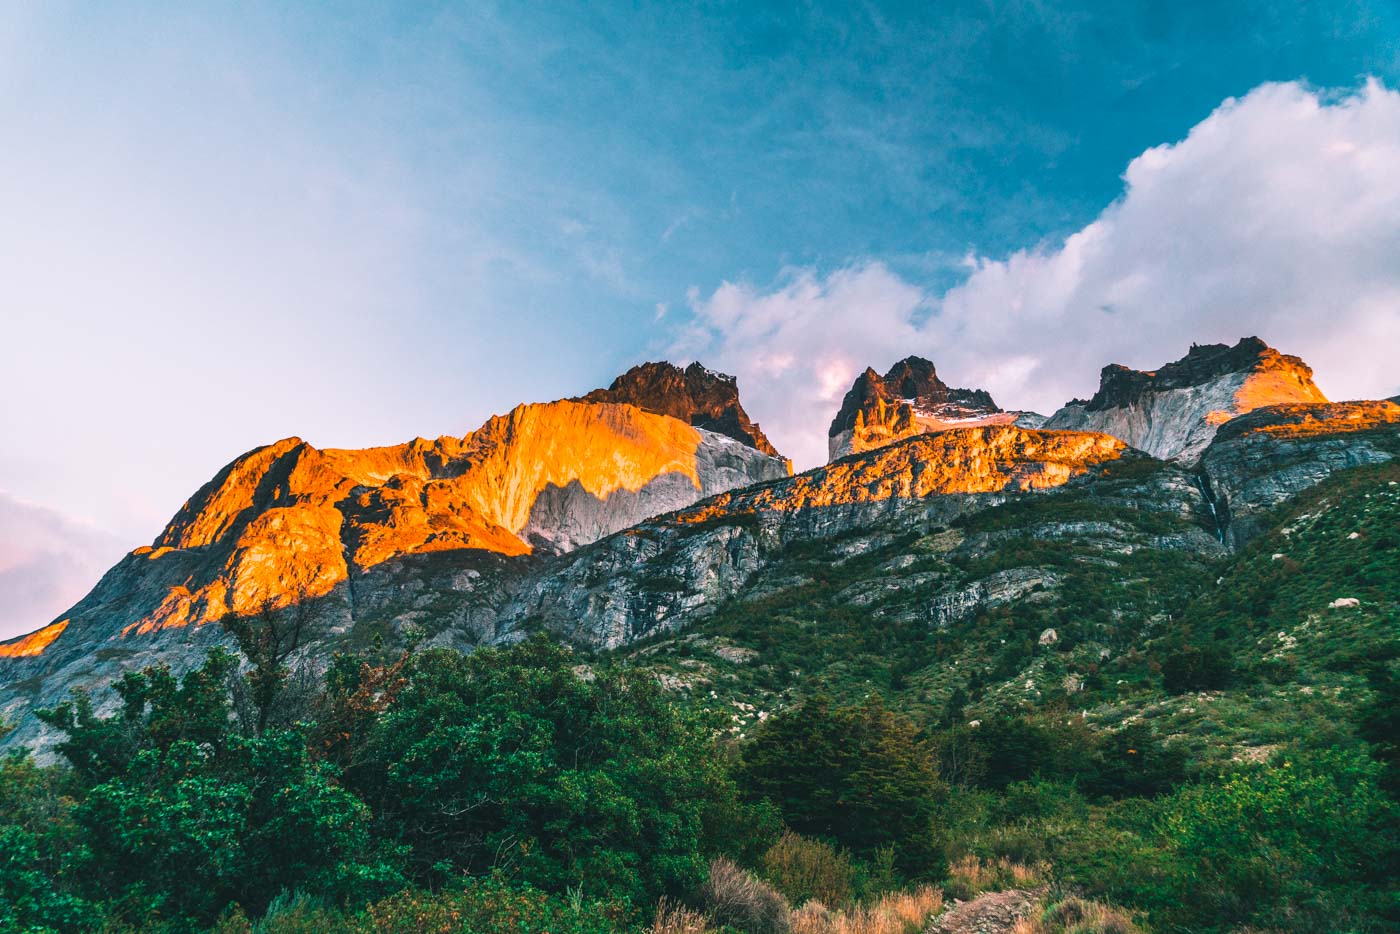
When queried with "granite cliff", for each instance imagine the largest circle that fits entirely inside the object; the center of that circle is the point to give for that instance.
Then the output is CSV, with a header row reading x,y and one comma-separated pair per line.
x,y
631,515
908,400
1173,412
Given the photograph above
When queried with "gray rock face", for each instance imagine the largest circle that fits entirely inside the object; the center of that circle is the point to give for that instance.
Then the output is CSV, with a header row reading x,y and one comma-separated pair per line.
x,y
1261,459
1173,412
568,517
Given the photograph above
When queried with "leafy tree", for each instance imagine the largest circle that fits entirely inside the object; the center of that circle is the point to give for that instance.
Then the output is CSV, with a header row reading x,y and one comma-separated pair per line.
x,y
271,694
36,830
860,775
182,816
1196,668
511,759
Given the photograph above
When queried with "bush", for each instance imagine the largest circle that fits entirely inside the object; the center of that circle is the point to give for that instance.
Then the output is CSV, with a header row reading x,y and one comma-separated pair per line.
x,y
1302,844
507,757
735,897
491,906
860,775
804,869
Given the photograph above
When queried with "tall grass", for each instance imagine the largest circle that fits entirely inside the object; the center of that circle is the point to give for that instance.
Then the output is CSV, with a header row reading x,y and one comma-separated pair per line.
x,y
892,913
970,876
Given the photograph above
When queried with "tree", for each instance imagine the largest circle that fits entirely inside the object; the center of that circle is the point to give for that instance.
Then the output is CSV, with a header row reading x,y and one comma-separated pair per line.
x,y
181,815
272,693
859,775
509,758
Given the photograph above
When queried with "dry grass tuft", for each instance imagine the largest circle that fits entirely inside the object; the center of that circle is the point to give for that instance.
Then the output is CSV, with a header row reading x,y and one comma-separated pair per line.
x,y
970,876
894,913
674,918
733,896
1076,915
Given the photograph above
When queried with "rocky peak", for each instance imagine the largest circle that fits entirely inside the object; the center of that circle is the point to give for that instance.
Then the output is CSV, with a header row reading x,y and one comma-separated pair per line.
x,y
1120,385
1173,412
696,395
908,400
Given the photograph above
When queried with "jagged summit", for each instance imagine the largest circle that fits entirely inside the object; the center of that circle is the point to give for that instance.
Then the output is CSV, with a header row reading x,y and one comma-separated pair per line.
x,y
1120,385
288,522
695,394
1173,412
908,400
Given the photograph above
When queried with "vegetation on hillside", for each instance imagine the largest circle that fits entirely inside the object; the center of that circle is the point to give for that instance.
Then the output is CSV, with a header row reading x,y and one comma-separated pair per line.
x,y
1207,743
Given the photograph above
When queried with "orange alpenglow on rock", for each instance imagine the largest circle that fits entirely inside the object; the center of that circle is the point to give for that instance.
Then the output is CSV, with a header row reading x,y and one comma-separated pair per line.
x,y
1174,412
289,521
909,400
988,459
1302,420
34,643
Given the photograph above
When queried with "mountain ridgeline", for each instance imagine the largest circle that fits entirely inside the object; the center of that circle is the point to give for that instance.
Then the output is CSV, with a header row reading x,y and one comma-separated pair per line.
x,y
655,508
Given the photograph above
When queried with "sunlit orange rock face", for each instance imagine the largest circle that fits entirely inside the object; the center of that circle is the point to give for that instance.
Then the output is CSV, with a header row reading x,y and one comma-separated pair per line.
x,y
1314,420
34,643
1174,411
289,521
908,400
987,459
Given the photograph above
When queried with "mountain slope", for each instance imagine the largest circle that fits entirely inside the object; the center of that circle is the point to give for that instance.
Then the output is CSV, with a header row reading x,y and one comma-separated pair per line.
x,y
1174,411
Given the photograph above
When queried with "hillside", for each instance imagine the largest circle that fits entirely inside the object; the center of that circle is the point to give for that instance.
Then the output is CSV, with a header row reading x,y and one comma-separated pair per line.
x,y
593,661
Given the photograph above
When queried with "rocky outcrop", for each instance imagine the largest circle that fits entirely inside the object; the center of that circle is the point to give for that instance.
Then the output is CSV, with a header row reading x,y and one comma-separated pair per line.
x,y
908,400
667,572
695,395
1173,412
354,534
1261,459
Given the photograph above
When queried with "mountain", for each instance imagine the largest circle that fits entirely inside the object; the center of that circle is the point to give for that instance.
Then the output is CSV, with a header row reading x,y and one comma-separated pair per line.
x,y
290,523
908,400
1173,412
695,395
616,529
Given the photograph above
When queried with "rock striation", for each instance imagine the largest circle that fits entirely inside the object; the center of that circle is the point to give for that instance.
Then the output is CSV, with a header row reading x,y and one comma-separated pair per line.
x,y
290,523
666,572
908,400
1173,412
1261,459
696,395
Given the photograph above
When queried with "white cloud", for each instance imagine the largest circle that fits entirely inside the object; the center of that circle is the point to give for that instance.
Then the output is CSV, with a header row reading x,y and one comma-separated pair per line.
x,y
1278,215
47,563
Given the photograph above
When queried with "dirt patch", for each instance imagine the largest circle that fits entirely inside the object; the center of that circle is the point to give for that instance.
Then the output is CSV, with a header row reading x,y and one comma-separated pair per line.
x,y
992,913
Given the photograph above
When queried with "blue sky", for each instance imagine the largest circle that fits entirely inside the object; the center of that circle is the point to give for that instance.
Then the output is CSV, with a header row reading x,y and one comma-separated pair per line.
x,y
221,224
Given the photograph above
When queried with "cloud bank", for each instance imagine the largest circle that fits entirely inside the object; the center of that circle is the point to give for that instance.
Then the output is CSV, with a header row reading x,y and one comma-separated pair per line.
x,y
1278,215
48,562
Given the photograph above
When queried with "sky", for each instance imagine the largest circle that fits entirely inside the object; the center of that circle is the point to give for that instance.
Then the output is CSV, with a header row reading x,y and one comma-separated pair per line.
x,y
224,224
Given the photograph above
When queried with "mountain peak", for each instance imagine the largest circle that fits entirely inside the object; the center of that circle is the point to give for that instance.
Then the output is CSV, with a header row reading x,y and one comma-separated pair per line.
x,y
1173,411
1120,385
695,394
908,399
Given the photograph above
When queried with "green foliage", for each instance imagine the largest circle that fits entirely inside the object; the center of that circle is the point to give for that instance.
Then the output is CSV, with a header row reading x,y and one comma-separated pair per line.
x,y
859,775
1297,842
804,869
36,829
509,758
491,906
180,816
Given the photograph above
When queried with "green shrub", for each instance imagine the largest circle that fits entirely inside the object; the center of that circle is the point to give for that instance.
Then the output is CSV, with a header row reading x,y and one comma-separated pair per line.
x,y
860,775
